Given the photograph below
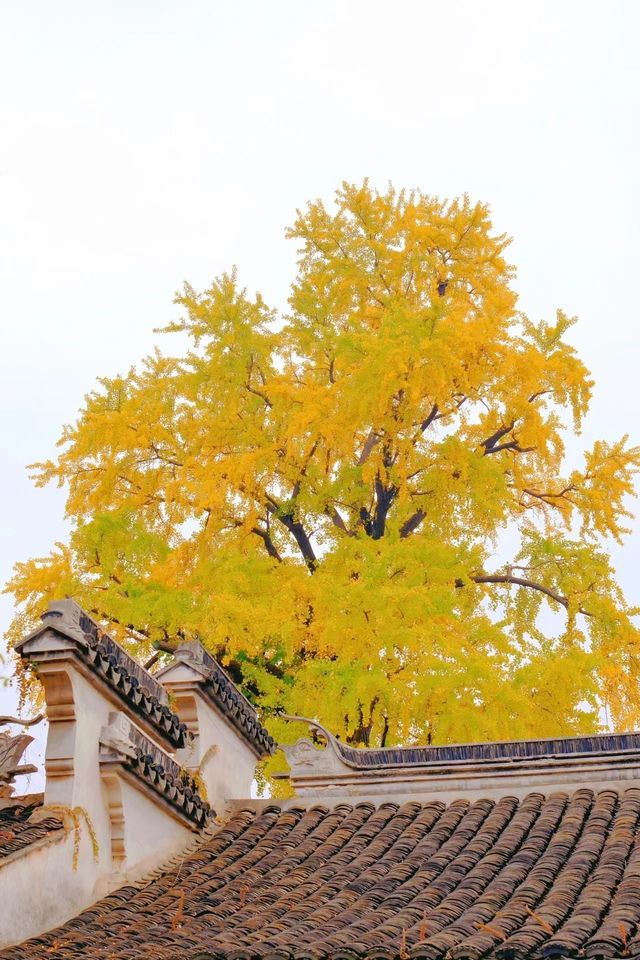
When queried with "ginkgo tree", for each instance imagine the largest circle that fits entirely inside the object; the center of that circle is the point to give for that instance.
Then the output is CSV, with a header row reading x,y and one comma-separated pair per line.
x,y
324,498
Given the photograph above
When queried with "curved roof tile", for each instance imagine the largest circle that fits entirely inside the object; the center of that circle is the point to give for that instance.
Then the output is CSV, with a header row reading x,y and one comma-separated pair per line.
x,y
538,877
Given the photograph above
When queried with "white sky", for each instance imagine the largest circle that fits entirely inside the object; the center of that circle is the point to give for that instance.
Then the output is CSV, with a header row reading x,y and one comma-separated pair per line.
x,y
143,143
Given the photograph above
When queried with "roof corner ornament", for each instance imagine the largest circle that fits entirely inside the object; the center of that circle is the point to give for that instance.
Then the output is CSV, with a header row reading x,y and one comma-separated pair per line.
x,y
304,756
12,747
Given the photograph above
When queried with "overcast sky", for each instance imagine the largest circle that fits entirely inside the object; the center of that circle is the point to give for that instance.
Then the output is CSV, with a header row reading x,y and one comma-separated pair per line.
x,y
144,143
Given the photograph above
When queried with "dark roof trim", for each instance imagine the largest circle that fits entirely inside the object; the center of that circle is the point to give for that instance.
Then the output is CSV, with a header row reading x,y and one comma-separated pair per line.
x,y
135,685
605,743
222,691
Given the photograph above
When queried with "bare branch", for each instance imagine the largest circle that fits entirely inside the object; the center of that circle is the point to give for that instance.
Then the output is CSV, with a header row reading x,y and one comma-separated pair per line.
x,y
23,723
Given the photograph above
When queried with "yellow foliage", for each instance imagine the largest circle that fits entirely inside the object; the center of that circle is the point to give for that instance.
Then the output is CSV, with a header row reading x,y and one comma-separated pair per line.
x,y
320,497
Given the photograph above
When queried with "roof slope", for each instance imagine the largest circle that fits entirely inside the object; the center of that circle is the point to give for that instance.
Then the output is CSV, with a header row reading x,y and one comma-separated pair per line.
x,y
16,830
537,877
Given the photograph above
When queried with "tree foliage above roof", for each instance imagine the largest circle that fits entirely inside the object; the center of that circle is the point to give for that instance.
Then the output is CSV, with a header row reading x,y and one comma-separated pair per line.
x,y
321,497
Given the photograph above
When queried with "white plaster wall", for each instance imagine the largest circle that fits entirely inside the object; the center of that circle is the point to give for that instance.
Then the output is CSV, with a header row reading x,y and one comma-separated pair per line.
x,y
82,787
229,771
219,753
151,834
39,889
229,762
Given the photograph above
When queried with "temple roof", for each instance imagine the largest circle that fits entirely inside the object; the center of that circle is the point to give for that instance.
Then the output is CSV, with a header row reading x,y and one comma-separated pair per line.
x,y
510,878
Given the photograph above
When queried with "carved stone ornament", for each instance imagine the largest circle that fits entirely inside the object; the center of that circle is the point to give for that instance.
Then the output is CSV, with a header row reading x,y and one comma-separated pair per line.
x,y
304,757
12,747
301,754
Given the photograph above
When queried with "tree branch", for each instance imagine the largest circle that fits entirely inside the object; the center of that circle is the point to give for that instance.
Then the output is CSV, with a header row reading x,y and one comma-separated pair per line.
x,y
539,393
337,521
268,542
384,498
547,497
257,393
412,524
369,444
511,445
433,415
303,471
508,578
153,659
491,441
23,723
296,530
134,632
299,534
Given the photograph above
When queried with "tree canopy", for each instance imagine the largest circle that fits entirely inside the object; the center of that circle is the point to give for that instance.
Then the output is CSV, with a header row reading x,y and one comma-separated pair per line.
x,y
361,506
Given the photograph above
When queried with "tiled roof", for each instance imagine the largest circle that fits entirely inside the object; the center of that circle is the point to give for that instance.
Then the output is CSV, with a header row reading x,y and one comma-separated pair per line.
x,y
224,693
604,743
16,830
536,877
133,684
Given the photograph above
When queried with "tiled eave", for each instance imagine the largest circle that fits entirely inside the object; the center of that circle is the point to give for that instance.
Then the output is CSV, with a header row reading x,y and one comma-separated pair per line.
x,y
122,743
513,767
105,658
224,695
18,831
